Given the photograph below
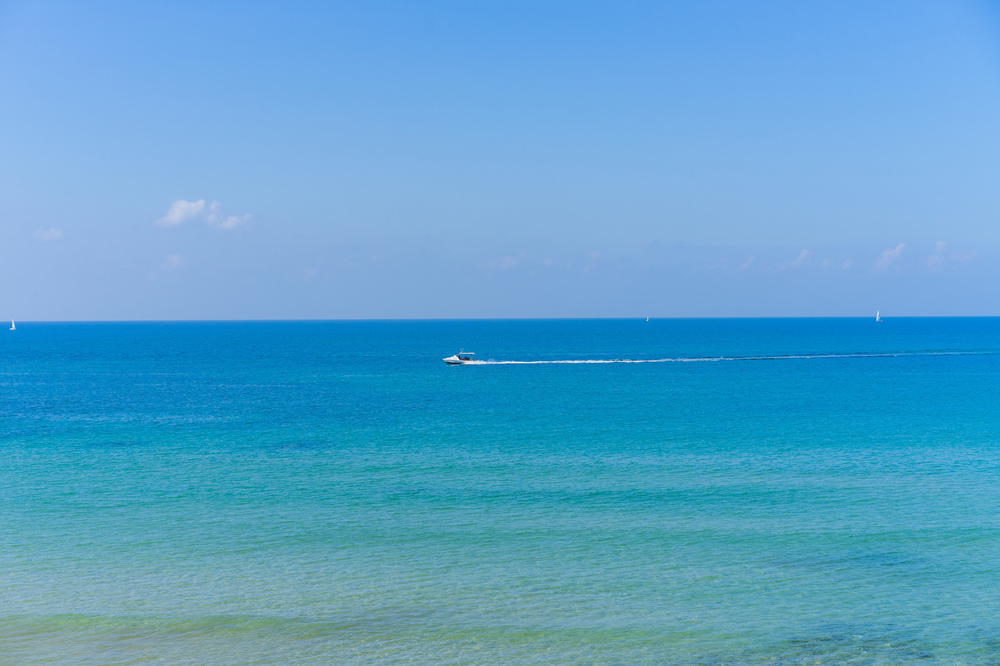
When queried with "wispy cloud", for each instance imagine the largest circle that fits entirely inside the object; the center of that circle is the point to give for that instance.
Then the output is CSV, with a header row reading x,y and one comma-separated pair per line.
x,y
216,218
592,259
832,264
800,260
943,256
504,263
48,235
209,212
889,257
937,258
172,262
745,266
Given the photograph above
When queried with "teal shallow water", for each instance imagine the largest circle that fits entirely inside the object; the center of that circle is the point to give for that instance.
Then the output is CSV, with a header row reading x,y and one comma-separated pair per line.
x,y
331,492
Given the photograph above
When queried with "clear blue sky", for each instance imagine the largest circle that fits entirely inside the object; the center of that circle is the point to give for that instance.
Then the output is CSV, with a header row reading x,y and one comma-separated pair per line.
x,y
468,159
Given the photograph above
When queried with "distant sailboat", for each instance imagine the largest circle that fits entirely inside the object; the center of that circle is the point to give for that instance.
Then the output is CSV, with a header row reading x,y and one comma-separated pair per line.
x,y
878,317
12,326
647,320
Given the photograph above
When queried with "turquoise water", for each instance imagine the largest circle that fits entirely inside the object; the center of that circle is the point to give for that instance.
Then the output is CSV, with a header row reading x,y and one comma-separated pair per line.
x,y
330,492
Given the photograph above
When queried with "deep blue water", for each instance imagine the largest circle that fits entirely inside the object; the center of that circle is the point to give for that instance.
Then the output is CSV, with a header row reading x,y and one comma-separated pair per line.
x,y
331,492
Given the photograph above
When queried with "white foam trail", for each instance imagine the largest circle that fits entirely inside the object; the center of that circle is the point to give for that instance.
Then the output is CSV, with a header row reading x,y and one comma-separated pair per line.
x,y
713,359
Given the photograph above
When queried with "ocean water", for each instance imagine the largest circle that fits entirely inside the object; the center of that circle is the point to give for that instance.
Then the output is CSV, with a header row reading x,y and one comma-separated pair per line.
x,y
331,492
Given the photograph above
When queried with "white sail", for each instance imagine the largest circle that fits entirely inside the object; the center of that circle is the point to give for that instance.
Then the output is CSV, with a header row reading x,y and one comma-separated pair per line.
x,y
878,316
12,326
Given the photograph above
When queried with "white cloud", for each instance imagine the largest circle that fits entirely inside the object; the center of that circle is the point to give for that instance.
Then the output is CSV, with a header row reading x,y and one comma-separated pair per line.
x,y
593,258
846,264
943,256
504,263
802,258
889,257
46,235
798,261
937,259
172,261
232,221
216,218
745,266
180,212
210,213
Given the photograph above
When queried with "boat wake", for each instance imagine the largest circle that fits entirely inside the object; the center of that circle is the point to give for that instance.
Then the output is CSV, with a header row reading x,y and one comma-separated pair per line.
x,y
715,359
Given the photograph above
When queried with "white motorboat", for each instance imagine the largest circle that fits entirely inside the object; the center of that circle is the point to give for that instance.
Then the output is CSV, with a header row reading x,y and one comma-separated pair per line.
x,y
461,358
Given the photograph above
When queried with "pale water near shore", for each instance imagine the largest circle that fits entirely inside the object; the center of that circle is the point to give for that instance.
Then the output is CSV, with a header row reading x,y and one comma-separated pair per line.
x,y
331,492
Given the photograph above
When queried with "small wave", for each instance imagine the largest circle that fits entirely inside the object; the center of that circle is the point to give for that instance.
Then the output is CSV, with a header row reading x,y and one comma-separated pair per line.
x,y
715,359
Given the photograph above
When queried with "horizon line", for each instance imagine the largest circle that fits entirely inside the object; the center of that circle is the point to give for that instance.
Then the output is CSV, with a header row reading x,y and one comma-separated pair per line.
x,y
567,318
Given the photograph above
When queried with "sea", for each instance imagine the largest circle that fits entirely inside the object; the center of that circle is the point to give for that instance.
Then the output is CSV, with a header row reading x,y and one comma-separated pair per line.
x,y
768,491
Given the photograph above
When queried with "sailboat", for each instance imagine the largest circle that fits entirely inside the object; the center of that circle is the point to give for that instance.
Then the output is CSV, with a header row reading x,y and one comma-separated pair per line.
x,y
12,326
878,317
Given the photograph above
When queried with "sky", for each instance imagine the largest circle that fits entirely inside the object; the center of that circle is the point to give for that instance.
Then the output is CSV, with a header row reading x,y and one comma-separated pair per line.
x,y
259,160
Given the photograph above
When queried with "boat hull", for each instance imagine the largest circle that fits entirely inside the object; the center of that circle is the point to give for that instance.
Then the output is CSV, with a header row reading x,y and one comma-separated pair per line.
x,y
455,359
